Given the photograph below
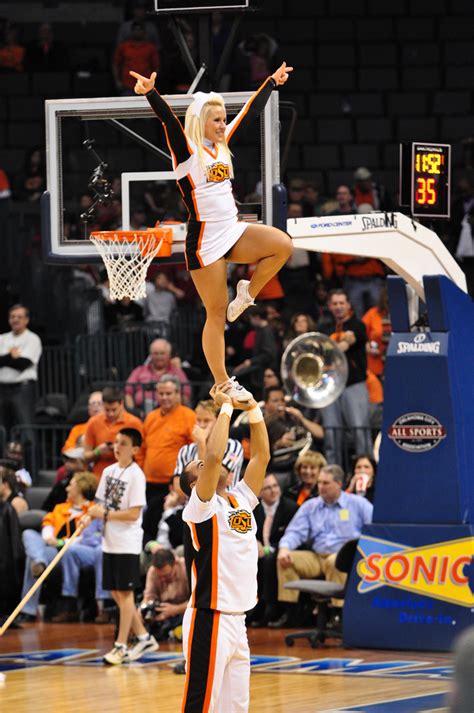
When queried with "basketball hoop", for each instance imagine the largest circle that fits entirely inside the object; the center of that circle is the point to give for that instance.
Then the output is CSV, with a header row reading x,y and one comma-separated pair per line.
x,y
127,255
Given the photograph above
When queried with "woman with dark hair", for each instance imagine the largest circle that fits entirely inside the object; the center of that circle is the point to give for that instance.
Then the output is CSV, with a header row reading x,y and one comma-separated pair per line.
x,y
307,469
10,491
363,476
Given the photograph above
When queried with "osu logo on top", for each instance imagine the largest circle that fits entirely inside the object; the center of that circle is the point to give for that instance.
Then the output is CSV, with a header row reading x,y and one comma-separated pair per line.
x,y
217,172
240,521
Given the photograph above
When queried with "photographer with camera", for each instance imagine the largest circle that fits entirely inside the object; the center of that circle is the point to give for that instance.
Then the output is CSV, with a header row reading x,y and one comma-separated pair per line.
x,y
166,594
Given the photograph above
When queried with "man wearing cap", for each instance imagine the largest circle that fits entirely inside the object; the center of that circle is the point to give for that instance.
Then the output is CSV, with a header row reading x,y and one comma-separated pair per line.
x,y
366,190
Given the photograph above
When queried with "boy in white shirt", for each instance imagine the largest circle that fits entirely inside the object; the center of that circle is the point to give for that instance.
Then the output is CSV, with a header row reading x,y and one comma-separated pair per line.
x,y
121,499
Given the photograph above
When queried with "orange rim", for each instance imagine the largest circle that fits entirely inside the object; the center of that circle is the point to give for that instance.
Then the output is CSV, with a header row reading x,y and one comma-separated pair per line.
x,y
139,237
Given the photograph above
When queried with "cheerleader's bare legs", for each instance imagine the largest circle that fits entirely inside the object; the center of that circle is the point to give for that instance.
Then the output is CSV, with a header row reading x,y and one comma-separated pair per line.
x,y
267,247
264,245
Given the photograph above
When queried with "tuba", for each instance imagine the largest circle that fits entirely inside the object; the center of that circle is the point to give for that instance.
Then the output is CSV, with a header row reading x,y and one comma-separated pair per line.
x,y
314,370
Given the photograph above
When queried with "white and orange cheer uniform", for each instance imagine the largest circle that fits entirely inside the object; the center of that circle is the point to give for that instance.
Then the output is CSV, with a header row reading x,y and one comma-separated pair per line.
x,y
213,227
224,587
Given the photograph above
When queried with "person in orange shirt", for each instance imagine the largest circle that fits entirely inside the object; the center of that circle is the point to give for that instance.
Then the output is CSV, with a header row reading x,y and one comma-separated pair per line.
x,y
94,406
165,430
137,52
379,328
102,429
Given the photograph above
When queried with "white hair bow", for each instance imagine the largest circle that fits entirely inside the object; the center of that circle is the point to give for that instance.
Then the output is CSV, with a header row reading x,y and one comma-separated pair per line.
x,y
201,98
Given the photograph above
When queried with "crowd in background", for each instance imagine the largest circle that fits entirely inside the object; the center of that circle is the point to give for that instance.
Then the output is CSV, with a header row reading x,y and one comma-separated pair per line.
x,y
342,296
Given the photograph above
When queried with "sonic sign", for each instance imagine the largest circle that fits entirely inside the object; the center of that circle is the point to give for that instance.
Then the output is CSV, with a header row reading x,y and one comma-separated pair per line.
x,y
441,571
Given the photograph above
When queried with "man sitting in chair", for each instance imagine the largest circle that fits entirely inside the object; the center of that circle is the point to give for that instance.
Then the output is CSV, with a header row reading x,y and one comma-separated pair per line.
x,y
326,523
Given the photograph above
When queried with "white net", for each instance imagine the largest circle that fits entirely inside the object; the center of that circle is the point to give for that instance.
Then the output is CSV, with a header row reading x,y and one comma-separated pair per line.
x,y
127,260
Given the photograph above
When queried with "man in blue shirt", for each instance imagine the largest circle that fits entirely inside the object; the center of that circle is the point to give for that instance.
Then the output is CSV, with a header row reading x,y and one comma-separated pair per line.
x,y
326,523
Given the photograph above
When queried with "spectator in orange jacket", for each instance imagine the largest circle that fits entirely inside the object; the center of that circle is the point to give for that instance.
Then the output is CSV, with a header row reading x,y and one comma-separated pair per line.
x,y
57,527
94,406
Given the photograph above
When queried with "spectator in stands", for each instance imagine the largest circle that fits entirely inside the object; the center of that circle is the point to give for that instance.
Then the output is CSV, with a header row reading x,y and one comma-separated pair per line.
x,y
20,352
10,491
74,462
264,350
95,405
168,534
12,54
206,418
139,14
379,328
270,378
363,474
14,452
137,52
158,363
362,278
45,54
166,594
321,522
351,409
57,527
84,553
300,323
367,191
345,201
33,181
160,301
103,428
296,191
253,61
122,315
282,420
460,229
178,74
307,469
312,202
272,514
166,429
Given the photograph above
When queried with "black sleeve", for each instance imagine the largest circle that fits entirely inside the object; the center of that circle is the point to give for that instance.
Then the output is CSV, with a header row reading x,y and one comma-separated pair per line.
x,y
174,132
20,364
251,110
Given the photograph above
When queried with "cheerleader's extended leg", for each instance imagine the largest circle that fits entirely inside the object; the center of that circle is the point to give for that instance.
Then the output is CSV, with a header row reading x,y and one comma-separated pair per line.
x,y
211,284
266,246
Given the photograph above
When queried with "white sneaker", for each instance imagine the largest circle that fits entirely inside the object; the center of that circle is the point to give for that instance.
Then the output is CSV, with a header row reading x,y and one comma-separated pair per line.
x,y
117,655
241,302
237,392
143,647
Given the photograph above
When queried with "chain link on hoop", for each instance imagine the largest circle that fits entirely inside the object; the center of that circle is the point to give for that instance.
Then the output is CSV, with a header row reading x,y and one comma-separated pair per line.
x,y
127,255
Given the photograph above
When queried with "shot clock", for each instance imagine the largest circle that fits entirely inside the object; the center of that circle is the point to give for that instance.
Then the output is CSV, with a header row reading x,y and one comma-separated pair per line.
x,y
425,179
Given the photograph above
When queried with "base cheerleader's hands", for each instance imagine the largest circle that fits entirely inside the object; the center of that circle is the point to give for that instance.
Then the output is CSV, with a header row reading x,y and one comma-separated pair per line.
x,y
281,74
143,84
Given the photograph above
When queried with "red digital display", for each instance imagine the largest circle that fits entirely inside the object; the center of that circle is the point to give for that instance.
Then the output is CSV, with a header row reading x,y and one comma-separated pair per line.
x,y
430,170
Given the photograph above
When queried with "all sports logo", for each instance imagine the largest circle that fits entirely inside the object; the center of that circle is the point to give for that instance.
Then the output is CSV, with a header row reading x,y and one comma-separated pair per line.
x,y
217,172
443,570
240,521
416,432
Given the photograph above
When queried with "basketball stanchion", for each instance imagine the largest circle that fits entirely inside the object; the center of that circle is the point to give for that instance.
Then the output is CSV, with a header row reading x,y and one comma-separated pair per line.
x,y
40,579
127,255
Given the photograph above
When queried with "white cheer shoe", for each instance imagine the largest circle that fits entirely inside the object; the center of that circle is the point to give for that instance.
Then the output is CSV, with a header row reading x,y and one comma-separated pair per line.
x,y
241,301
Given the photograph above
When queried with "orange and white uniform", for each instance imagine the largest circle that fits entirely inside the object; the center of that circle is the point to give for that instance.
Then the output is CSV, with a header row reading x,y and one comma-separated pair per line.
x,y
213,227
224,587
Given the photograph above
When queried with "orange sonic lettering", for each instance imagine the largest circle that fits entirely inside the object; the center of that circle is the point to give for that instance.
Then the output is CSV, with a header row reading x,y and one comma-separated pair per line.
x,y
402,573
372,566
421,568
456,576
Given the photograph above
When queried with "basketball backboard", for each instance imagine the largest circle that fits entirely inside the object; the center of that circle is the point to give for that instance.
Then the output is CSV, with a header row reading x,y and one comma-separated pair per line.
x,y
124,133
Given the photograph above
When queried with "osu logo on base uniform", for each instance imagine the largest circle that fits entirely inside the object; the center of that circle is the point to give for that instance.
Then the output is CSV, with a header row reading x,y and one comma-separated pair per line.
x,y
240,521
217,172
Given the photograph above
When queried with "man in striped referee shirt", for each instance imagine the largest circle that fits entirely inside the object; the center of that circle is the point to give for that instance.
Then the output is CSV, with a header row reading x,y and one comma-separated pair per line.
x,y
206,417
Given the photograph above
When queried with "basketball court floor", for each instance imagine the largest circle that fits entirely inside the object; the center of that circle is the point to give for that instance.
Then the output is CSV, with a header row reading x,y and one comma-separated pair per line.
x,y
52,668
